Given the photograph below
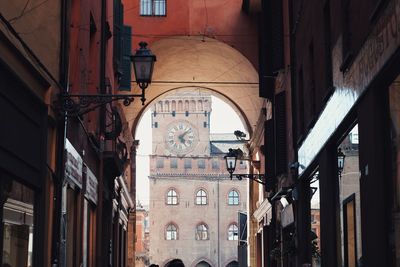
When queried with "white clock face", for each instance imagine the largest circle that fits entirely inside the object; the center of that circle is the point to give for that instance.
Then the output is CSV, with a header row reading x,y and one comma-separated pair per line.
x,y
181,137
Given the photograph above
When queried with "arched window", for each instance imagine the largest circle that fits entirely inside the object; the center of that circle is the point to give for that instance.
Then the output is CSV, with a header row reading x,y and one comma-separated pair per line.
x,y
200,105
192,105
201,232
166,106
186,105
172,197
173,105
201,197
171,232
233,232
180,105
160,106
233,198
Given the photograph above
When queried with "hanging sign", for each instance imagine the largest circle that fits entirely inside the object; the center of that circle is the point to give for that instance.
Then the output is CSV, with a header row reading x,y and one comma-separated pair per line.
x,y
91,186
73,165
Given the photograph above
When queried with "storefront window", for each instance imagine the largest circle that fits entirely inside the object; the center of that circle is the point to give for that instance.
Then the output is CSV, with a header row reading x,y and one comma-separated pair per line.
x,y
17,208
349,197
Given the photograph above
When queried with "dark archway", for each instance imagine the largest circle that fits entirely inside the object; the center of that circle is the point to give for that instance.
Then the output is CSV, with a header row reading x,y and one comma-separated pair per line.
x,y
233,264
203,264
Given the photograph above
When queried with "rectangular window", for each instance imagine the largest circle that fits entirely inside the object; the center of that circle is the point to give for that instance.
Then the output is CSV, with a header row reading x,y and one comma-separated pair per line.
x,y
160,163
188,163
173,163
153,8
215,165
201,164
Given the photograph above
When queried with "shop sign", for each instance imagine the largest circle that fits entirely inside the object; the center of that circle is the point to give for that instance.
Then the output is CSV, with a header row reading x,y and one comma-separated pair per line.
x,y
73,165
287,216
381,45
91,186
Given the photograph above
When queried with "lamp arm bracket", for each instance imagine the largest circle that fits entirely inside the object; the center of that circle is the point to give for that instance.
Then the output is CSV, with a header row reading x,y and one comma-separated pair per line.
x,y
259,178
74,105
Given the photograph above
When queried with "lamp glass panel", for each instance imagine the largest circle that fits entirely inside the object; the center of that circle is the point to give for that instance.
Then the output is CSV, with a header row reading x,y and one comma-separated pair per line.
x,y
143,67
230,163
340,162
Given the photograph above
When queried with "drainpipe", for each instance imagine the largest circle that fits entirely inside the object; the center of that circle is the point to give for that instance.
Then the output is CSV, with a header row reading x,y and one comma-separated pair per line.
x,y
61,129
102,248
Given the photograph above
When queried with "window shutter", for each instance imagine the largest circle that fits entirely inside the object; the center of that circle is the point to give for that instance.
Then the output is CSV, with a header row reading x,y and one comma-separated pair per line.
x,y
271,46
280,133
117,33
269,149
125,82
276,35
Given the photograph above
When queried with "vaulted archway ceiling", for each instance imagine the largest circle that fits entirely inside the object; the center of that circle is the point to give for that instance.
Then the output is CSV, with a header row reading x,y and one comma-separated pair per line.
x,y
198,62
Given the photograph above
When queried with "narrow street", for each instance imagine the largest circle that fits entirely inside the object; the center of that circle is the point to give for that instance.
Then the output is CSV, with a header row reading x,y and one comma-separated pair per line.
x,y
200,133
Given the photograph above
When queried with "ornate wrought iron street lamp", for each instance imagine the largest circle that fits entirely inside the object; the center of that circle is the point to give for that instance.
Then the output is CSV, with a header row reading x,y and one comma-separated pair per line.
x,y
340,161
143,63
231,159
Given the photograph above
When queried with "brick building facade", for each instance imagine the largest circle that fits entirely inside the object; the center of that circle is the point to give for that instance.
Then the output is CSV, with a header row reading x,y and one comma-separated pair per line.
x,y
194,205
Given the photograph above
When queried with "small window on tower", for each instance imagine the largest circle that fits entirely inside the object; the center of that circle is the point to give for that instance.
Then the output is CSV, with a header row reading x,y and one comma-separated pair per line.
x,y
201,164
188,163
174,163
160,163
215,164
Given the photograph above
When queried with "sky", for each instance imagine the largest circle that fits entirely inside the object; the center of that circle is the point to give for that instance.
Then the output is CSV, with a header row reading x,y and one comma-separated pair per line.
x,y
219,123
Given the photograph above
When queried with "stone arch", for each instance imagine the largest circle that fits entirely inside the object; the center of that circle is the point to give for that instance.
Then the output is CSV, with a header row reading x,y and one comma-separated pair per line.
x,y
238,109
204,62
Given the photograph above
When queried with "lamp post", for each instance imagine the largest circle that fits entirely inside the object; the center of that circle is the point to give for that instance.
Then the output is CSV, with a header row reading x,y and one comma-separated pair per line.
x,y
73,105
340,161
231,159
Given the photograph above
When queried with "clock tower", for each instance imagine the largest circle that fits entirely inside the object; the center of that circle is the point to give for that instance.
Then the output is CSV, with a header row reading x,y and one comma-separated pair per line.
x,y
193,205
181,125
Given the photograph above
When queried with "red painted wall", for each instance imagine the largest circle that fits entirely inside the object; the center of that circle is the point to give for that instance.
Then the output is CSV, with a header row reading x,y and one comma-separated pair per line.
x,y
223,20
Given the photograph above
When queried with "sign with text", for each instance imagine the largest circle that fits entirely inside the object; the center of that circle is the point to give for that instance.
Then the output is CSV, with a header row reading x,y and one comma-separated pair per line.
x,y
73,165
91,186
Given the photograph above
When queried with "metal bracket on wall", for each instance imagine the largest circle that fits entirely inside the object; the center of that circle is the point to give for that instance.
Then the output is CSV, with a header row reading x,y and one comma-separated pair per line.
x,y
74,105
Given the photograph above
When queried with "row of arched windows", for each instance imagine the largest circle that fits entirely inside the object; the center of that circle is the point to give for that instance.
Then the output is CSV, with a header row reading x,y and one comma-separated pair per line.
x,y
201,197
182,105
201,232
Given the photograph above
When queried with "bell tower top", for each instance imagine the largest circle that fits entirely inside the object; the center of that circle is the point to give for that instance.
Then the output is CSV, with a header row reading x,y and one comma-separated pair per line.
x,y
181,124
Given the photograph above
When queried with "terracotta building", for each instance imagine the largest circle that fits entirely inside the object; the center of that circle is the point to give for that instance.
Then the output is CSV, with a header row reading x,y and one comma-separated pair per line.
x,y
64,197
343,58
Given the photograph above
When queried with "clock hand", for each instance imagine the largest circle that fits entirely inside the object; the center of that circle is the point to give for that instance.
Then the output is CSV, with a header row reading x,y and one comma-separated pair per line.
x,y
181,137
